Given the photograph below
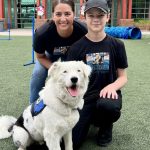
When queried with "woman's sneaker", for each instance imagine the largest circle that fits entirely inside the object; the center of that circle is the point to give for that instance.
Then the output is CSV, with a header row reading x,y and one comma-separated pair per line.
x,y
104,136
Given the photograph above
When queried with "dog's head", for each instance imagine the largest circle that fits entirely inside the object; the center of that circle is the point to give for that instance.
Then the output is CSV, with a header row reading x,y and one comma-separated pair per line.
x,y
70,80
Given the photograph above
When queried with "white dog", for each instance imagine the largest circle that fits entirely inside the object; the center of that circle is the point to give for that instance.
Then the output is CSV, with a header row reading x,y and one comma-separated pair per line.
x,y
55,113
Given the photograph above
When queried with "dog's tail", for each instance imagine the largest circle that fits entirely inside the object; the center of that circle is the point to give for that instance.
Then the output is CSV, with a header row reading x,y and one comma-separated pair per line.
x,y
6,124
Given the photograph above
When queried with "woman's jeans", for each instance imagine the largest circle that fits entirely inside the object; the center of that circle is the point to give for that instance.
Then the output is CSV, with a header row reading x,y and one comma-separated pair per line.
x,y
37,82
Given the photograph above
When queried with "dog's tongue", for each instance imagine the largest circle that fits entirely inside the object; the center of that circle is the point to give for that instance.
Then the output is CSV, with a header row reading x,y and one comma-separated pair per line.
x,y
73,91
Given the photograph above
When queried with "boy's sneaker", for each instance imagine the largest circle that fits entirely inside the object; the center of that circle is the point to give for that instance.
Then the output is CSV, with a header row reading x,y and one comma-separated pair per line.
x,y
104,136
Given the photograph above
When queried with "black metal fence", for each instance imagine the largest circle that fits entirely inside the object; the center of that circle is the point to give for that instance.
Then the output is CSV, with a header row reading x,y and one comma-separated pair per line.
x,y
141,9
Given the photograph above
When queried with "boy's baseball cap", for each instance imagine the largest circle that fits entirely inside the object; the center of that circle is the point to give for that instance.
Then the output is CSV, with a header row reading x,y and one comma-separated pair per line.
x,y
101,4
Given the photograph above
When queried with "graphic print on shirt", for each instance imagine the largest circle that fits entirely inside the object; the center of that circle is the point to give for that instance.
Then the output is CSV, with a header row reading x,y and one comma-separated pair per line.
x,y
61,50
60,53
98,61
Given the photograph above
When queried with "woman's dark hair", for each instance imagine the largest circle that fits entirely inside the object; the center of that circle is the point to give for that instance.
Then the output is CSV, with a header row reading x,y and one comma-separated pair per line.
x,y
69,2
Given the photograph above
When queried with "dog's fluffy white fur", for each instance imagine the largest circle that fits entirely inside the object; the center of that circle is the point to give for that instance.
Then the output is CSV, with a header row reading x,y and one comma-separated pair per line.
x,y
5,123
63,94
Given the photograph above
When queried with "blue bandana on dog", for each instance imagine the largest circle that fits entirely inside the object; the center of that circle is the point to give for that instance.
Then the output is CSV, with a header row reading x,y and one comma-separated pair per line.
x,y
37,107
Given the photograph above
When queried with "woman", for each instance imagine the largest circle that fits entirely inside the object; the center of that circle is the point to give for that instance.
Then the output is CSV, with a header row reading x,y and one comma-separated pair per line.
x,y
52,42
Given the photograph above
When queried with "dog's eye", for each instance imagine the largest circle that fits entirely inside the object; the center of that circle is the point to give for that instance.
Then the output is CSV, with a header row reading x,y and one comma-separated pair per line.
x,y
64,71
79,70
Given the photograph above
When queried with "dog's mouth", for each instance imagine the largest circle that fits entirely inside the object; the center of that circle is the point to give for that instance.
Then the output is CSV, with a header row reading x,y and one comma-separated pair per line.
x,y
73,90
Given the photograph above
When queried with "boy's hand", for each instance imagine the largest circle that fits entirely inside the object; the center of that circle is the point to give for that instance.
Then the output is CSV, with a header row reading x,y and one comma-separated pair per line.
x,y
109,92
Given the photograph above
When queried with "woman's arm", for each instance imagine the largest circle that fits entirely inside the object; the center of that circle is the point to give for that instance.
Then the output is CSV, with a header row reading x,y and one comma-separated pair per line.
x,y
42,58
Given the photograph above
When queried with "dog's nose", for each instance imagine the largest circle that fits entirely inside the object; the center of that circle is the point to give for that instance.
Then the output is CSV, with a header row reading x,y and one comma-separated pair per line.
x,y
74,79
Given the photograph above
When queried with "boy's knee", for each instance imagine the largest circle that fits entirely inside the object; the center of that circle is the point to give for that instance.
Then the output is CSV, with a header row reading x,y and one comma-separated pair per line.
x,y
109,105
109,108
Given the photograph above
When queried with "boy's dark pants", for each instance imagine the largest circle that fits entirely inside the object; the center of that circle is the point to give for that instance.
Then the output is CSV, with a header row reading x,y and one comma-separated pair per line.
x,y
102,113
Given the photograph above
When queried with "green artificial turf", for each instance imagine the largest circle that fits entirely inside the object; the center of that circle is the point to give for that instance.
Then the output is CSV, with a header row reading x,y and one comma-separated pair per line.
x,y
131,132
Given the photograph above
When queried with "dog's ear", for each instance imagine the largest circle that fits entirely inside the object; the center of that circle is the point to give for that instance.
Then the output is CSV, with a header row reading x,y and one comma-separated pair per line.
x,y
86,68
52,69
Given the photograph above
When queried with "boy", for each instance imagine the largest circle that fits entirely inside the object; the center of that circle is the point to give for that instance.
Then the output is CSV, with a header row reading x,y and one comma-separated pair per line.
x,y
107,57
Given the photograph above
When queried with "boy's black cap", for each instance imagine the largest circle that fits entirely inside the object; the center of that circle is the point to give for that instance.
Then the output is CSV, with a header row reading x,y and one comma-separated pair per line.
x,y
101,4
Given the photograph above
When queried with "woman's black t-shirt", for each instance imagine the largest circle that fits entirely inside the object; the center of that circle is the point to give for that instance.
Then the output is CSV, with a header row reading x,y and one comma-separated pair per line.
x,y
47,39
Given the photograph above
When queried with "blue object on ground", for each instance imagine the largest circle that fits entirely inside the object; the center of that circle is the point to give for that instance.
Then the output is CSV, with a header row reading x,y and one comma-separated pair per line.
x,y
124,32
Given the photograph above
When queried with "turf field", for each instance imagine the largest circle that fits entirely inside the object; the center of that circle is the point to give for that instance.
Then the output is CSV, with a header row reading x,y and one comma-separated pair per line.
x,y
131,132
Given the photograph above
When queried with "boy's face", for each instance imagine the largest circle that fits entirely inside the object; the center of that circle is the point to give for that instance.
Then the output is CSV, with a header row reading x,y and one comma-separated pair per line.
x,y
96,20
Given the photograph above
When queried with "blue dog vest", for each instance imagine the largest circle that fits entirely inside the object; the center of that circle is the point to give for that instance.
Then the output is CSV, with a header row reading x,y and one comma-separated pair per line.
x,y
37,107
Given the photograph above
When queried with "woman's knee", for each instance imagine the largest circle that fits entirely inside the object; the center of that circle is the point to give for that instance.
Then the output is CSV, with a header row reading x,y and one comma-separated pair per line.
x,y
39,73
37,81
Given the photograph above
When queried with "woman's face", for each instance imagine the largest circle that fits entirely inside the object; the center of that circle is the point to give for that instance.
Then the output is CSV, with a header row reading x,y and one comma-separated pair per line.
x,y
63,17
